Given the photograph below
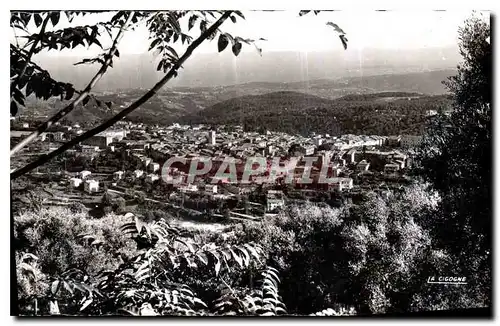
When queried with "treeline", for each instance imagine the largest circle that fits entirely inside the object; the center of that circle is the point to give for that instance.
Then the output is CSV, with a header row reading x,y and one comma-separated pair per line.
x,y
372,257
291,112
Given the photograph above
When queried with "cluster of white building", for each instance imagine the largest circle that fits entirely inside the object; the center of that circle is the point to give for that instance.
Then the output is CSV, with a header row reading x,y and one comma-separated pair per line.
x,y
89,185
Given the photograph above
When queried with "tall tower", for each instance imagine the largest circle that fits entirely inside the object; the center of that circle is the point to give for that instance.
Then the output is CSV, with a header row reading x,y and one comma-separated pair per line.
x,y
211,137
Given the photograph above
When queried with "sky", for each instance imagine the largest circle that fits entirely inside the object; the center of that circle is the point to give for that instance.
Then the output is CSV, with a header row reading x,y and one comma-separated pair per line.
x,y
398,31
286,31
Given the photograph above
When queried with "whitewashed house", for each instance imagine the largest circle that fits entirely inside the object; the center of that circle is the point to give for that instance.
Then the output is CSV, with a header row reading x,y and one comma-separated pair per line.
x,y
153,167
188,188
75,182
118,175
209,188
152,178
363,166
91,186
274,199
85,174
341,184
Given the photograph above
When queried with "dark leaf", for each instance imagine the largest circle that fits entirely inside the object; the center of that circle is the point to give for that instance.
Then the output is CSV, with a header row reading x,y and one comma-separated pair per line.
x,y
203,26
97,42
223,42
172,51
38,20
29,88
13,108
236,48
13,18
174,23
70,91
84,61
154,43
117,53
85,100
25,18
22,82
304,12
336,27
29,71
160,64
344,41
94,31
54,18
166,67
233,19
239,14
117,16
18,96
191,22
108,104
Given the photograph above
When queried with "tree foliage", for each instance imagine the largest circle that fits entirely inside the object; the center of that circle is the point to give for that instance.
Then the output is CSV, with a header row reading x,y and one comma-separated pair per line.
x,y
370,257
148,279
373,257
293,112
456,158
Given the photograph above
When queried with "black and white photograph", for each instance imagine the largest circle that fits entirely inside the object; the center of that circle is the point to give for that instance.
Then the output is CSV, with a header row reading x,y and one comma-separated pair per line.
x,y
251,163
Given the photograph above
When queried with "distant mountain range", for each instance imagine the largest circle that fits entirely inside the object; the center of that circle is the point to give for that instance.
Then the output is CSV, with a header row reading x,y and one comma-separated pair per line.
x,y
223,69
175,104
429,82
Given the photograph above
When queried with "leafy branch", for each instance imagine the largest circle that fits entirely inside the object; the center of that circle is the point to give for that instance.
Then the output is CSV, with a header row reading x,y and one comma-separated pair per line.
x,y
36,80
264,301
167,27
172,72
342,34
146,283
15,83
113,51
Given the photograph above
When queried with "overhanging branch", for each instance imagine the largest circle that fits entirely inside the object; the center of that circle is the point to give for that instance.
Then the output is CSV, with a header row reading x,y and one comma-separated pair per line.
x,y
59,115
172,72
31,52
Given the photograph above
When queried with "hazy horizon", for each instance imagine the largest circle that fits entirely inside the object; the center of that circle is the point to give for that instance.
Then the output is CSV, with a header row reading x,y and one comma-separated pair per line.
x,y
296,49
222,69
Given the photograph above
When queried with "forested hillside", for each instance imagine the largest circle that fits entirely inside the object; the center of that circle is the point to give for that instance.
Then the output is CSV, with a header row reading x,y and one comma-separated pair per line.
x,y
173,103
292,112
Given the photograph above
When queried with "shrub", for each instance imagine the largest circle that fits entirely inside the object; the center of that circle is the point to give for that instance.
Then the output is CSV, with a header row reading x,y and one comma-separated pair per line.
x,y
373,256
56,236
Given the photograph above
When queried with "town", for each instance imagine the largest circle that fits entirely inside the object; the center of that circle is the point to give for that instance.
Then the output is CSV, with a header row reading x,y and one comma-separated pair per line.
x,y
251,163
121,167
